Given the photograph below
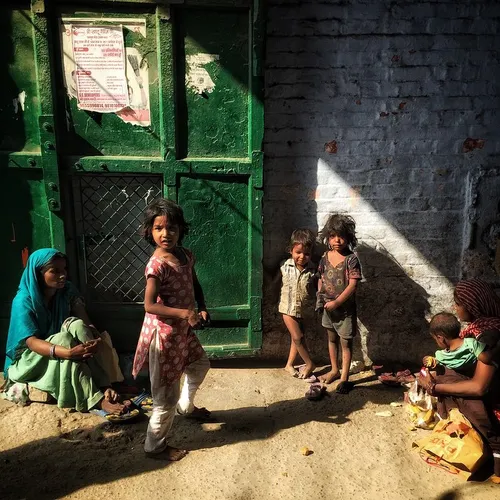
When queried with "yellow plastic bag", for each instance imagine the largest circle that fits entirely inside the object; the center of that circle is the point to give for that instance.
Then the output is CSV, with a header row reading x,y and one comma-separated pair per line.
x,y
420,407
454,445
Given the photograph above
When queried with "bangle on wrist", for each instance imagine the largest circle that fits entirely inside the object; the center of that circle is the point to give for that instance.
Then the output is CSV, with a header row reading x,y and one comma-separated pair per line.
x,y
432,389
52,353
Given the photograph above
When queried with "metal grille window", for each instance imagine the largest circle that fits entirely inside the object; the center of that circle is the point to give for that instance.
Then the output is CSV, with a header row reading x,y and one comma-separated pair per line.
x,y
109,210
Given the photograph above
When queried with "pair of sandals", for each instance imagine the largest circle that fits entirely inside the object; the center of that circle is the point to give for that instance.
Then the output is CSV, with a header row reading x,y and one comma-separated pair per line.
x,y
394,380
317,390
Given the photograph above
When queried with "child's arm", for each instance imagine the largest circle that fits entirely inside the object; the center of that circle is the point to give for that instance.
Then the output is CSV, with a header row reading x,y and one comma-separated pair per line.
x,y
152,307
350,289
200,298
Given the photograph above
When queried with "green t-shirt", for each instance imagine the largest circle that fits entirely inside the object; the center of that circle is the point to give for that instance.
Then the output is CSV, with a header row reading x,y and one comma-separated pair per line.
x,y
466,354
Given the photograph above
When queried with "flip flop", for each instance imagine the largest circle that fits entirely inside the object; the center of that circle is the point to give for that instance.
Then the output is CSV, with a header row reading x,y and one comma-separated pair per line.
x,y
114,418
311,380
143,401
315,392
389,379
344,388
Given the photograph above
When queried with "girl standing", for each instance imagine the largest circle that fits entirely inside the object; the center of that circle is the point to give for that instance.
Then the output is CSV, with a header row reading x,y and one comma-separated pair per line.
x,y
340,271
167,343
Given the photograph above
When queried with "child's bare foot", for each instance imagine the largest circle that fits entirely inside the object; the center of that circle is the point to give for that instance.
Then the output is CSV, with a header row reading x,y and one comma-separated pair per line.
x,y
329,377
495,479
291,370
169,453
344,387
306,371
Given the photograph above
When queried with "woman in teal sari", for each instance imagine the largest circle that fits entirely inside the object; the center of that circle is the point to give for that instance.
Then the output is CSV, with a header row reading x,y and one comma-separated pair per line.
x,y
52,345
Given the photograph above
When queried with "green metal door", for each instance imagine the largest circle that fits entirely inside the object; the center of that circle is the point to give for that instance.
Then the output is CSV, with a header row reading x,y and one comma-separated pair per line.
x,y
194,135
30,203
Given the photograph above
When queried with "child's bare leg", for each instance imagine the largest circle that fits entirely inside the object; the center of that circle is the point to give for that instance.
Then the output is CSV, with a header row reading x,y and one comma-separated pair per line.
x,y
334,373
346,358
298,341
291,360
345,386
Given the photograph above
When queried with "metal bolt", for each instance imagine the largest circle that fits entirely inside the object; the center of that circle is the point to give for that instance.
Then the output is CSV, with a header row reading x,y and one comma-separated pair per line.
x,y
31,162
47,127
53,186
78,165
103,166
49,146
53,205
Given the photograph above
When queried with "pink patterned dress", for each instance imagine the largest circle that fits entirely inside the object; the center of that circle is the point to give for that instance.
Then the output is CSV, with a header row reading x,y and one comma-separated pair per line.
x,y
179,346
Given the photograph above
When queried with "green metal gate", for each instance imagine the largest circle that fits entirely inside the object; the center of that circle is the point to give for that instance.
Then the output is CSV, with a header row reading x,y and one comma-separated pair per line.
x,y
192,132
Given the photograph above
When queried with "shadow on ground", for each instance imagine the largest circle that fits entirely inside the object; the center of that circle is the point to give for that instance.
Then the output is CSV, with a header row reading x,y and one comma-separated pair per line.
x,y
57,466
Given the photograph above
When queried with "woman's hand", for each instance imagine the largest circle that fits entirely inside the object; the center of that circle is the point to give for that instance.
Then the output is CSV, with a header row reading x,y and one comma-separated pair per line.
x,y
82,351
111,395
427,381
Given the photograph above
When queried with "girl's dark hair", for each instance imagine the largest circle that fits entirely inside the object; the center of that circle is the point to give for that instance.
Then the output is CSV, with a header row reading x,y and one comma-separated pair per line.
x,y
303,237
46,267
163,208
340,225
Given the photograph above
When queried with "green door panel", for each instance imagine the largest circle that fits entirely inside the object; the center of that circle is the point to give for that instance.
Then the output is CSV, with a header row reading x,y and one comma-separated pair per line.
x,y
217,207
216,50
19,104
89,133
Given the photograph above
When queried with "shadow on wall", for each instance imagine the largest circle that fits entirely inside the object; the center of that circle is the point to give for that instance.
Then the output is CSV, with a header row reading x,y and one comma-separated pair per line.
x,y
392,310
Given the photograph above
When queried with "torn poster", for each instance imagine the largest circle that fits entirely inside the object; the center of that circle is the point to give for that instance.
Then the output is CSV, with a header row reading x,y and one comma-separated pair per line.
x,y
137,113
197,77
99,56
136,67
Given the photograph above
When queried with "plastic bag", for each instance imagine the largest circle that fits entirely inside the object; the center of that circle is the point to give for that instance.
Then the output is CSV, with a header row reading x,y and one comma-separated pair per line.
x,y
420,407
454,445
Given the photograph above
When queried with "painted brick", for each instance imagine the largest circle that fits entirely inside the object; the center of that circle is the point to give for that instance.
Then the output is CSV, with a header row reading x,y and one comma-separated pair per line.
x,y
399,86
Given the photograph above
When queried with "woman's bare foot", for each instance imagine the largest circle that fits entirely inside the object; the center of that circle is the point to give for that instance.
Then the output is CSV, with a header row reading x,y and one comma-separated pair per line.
x,y
291,370
329,377
495,479
169,453
306,371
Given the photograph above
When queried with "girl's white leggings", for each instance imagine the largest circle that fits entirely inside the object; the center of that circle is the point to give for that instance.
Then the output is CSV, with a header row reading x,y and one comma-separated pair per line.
x,y
168,399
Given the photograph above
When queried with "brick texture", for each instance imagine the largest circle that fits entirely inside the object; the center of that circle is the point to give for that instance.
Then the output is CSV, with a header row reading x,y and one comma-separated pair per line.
x,y
397,87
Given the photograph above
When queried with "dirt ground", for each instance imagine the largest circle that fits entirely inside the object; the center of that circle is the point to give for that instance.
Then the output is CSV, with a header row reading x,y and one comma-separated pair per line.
x,y
252,452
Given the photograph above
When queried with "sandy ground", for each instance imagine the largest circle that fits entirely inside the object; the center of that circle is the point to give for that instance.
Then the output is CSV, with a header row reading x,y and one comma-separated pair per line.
x,y
252,452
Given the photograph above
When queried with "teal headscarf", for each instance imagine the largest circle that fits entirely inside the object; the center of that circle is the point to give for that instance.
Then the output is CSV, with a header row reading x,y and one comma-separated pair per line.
x,y
29,315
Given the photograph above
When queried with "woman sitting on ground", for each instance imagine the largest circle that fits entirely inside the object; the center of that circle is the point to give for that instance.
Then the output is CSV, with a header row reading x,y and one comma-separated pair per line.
x,y
476,303
52,345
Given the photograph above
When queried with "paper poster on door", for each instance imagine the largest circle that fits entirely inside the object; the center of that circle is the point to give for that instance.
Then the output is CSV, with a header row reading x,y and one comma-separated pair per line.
x,y
137,111
99,74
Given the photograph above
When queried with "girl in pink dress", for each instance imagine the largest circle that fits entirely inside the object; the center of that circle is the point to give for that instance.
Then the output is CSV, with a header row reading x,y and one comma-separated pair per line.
x,y
167,343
